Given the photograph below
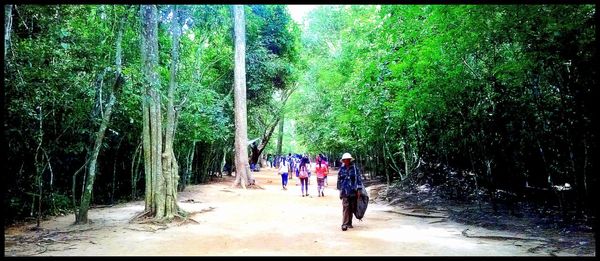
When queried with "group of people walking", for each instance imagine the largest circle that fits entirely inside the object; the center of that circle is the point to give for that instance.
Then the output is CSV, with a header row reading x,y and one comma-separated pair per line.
x,y
349,181
300,166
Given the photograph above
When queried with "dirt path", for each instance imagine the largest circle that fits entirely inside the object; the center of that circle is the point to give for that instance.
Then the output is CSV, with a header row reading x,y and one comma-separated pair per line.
x,y
269,221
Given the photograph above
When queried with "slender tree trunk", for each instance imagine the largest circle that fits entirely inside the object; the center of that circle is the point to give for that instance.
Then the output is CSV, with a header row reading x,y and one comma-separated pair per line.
x,y
222,165
134,172
39,169
7,28
280,136
387,165
147,153
257,151
90,178
114,177
241,132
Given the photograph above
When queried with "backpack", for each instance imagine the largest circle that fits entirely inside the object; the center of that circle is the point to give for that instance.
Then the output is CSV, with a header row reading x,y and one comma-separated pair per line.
x,y
303,173
361,204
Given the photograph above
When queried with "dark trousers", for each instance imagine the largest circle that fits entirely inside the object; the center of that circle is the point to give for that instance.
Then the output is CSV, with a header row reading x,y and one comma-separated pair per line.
x,y
284,179
304,185
348,207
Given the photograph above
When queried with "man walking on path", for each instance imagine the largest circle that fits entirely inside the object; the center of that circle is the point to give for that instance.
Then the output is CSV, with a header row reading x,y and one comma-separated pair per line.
x,y
349,184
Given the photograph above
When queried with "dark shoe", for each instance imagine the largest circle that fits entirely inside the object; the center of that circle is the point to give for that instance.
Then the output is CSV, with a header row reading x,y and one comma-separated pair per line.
x,y
344,228
322,194
302,195
350,226
307,194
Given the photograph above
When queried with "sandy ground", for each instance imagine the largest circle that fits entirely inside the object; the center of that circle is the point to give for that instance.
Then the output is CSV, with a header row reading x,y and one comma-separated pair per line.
x,y
260,222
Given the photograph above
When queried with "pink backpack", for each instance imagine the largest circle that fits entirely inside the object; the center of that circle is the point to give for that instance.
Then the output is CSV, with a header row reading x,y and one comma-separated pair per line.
x,y
303,173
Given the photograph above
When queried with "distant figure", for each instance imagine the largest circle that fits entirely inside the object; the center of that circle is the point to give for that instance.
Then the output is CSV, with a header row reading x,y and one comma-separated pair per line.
x,y
321,170
324,161
303,175
290,162
304,160
349,184
283,171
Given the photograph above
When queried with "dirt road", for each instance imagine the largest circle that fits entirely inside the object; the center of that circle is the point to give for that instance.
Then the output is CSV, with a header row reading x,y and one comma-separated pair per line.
x,y
269,221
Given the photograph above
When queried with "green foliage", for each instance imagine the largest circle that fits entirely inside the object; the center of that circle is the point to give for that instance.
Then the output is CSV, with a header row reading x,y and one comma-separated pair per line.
x,y
466,85
463,85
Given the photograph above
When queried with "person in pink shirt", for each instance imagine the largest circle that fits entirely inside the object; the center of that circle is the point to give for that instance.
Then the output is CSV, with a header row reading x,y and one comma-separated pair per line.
x,y
321,169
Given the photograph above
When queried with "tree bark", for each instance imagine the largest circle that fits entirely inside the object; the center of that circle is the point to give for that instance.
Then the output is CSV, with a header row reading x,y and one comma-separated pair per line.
x,y
170,166
161,194
7,28
86,195
257,151
241,131
152,117
280,135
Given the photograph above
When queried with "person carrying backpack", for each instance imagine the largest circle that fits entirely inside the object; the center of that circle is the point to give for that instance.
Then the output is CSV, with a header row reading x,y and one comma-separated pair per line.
x,y
349,183
303,176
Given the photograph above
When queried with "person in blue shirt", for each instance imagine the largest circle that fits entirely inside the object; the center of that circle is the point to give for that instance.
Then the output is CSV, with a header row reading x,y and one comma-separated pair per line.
x,y
349,184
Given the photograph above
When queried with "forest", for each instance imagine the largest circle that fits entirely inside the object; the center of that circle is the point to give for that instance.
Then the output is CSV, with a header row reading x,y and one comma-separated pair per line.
x,y
105,104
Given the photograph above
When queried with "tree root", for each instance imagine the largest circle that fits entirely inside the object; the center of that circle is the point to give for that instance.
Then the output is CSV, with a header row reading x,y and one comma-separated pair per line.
x,y
147,229
44,249
464,233
414,215
438,221
191,200
138,218
254,186
71,231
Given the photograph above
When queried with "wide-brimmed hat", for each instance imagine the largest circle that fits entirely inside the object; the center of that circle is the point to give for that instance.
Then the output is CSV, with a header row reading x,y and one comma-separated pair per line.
x,y
347,156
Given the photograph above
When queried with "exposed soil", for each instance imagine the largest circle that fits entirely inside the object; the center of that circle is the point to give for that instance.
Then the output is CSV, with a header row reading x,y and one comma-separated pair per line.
x,y
270,221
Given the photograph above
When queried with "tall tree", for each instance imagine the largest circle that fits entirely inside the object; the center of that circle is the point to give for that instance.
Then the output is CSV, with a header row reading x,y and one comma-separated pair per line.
x,y
266,137
170,166
7,27
243,176
280,135
86,195
160,166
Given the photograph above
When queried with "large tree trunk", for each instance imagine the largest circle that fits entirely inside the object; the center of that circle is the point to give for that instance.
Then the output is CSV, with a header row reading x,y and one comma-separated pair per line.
x,y
86,195
161,196
170,166
160,163
241,132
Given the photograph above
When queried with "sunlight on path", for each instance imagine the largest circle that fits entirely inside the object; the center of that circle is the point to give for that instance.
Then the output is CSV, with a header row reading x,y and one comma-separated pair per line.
x,y
272,221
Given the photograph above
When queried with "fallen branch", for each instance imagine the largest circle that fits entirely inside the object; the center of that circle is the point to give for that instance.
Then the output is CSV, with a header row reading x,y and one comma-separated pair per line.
x,y
139,216
45,248
191,200
74,230
61,250
464,233
102,206
415,215
147,229
438,221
